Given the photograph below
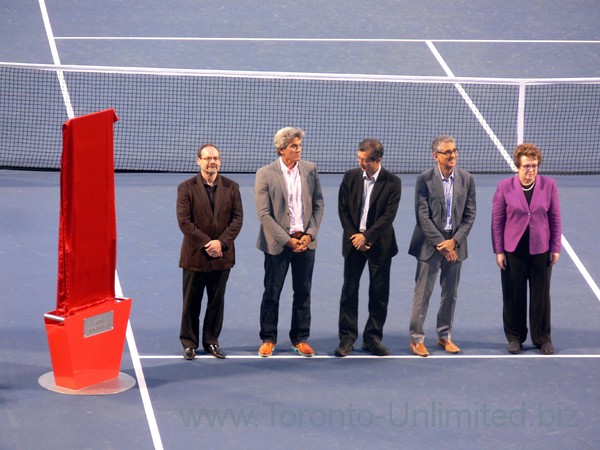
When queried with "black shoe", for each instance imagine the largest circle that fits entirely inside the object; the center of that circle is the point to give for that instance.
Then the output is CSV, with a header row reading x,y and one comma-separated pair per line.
x,y
215,350
514,347
546,348
376,348
189,353
344,349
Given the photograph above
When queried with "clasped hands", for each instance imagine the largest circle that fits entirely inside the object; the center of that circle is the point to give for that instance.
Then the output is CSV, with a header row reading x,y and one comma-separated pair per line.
x,y
299,245
214,248
448,249
360,242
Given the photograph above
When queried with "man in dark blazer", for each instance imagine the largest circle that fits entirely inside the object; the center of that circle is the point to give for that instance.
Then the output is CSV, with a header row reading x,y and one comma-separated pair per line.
x,y
445,211
367,204
209,213
289,204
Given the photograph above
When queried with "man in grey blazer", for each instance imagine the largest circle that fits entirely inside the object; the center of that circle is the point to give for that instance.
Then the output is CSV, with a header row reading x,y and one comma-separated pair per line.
x,y
445,208
289,204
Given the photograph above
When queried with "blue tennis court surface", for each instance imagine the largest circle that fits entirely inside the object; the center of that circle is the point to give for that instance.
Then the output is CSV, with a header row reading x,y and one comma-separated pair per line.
x,y
482,398
536,39
361,401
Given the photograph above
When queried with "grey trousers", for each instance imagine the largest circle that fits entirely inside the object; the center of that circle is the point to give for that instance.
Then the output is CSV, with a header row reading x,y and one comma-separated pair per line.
x,y
425,279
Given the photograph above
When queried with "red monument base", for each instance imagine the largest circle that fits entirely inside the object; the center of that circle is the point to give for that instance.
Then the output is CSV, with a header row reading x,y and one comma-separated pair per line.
x,y
86,348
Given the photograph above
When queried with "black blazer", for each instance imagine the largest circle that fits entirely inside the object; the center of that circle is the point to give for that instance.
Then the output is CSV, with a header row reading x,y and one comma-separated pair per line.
x,y
384,202
199,224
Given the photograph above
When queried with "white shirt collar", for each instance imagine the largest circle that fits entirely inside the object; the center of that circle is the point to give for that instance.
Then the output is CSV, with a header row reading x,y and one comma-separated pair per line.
x,y
374,177
285,168
442,175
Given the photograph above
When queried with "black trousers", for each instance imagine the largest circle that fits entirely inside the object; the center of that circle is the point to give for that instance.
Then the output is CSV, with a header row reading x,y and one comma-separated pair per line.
x,y
194,284
276,268
379,294
534,271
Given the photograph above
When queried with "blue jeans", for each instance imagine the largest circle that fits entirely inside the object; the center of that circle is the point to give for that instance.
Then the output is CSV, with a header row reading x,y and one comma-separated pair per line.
x,y
276,268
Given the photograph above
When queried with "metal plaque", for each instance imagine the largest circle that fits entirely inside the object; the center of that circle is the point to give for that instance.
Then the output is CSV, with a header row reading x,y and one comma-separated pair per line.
x,y
98,324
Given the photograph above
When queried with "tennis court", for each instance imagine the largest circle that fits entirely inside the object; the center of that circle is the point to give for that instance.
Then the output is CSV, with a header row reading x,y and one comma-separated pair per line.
x,y
482,398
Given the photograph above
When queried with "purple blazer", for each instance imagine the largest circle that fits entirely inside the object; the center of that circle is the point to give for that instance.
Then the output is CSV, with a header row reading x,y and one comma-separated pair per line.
x,y
511,215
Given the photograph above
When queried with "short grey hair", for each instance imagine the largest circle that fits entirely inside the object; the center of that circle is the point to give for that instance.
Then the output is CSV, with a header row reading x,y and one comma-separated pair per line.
x,y
442,138
285,135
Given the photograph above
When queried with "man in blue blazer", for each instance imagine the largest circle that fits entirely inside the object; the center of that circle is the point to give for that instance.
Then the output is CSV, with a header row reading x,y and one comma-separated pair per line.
x,y
367,204
289,203
445,211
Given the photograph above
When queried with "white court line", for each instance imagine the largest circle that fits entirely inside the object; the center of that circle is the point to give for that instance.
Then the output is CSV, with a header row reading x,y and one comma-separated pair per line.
x,y
139,374
473,108
56,59
440,356
586,275
267,39
118,291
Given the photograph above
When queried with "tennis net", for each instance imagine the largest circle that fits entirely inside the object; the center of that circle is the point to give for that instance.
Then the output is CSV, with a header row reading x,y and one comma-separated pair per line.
x,y
166,114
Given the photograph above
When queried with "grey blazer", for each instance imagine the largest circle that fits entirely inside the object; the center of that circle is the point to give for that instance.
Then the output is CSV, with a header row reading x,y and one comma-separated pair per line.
x,y
430,211
270,195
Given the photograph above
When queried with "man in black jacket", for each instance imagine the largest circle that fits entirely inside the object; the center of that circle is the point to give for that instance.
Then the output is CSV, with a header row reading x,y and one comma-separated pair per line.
x,y
209,214
367,204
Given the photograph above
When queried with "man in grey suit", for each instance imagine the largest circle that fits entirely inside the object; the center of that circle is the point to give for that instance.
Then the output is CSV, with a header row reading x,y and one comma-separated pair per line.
x,y
445,211
289,203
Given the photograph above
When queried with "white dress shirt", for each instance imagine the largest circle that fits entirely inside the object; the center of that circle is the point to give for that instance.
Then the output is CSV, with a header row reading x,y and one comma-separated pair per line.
x,y
368,184
294,191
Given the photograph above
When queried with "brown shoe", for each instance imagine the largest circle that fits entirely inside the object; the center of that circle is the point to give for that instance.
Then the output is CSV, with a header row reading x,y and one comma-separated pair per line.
x,y
419,349
448,345
303,349
266,349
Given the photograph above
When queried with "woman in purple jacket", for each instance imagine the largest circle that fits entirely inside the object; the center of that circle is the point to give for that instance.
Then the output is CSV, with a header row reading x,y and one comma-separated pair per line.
x,y
526,236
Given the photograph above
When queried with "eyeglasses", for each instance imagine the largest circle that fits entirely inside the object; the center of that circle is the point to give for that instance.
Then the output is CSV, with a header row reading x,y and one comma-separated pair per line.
x,y
448,153
366,160
211,158
532,167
